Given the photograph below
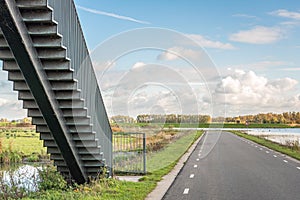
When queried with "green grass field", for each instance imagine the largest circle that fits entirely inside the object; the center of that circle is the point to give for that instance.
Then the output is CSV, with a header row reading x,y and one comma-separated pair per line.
x,y
171,152
24,145
24,141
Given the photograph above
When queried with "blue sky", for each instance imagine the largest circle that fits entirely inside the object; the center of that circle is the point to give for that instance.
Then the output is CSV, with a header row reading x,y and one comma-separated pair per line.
x,y
254,46
252,43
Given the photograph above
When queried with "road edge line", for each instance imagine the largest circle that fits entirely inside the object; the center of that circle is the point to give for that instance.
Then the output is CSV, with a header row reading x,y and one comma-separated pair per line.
x,y
163,186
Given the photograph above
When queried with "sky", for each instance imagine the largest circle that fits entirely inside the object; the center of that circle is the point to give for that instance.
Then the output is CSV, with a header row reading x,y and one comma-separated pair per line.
x,y
223,58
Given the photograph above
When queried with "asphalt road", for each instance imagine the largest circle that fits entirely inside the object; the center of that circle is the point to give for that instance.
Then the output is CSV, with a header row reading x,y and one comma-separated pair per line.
x,y
225,166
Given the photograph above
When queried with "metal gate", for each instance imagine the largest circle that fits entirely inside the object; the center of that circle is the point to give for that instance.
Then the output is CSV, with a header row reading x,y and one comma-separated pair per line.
x,y
129,153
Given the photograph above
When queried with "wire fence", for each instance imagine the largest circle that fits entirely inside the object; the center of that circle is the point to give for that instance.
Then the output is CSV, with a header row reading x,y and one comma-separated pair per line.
x,y
129,152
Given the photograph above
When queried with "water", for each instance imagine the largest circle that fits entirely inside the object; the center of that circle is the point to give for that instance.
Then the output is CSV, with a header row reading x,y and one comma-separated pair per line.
x,y
274,131
286,136
21,176
279,135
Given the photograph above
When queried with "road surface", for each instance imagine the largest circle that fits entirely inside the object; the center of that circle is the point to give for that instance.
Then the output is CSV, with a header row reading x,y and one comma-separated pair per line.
x,y
227,167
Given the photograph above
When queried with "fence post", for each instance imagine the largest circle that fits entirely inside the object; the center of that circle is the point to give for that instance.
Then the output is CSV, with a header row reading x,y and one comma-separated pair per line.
x,y
144,151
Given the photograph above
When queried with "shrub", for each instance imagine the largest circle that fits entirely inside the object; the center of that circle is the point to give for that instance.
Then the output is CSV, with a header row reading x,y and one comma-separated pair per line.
x,y
50,179
33,158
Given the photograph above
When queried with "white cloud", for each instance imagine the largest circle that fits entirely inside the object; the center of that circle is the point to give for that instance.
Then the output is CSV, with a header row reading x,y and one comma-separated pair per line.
x,y
249,91
258,35
3,101
204,42
286,14
245,16
98,12
175,53
284,84
138,65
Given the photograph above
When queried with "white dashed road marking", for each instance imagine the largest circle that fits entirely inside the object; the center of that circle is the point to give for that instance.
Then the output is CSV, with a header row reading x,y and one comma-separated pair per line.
x,y
285,161
195,166
267,152
197,159
186,191
298,167
192,175
275,156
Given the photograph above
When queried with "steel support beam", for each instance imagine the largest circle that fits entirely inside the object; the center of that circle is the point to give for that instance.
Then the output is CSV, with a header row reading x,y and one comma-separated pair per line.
x,y
16,34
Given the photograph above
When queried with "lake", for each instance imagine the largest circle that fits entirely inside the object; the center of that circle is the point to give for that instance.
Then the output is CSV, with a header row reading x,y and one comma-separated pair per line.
x,y
279,135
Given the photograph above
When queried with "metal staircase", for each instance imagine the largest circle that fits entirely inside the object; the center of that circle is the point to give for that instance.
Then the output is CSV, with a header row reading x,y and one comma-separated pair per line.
x,y
44,51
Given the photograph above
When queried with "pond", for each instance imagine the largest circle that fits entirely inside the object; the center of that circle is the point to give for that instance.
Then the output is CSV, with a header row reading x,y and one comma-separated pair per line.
x,y
21,176
283,136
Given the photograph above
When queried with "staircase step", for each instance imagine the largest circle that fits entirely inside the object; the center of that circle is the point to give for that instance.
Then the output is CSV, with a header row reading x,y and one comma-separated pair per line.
x,y
56,65
77,120
71,104
15,76
89,150
75,112
25,95
59,95
80,121
80,144
30,104
80,129
63,170
47,42
86,164
88,157
91,171
68,113
22,86
75,136
60,85
38,120
52,54
86,129
3,43
48,30
69,121
37,16
67,95
93,163
6,54
34,113
60,75
25,4
10,66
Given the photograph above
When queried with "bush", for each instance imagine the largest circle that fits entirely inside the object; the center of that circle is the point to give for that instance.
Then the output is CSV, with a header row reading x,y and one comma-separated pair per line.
x,y
33,158
51,179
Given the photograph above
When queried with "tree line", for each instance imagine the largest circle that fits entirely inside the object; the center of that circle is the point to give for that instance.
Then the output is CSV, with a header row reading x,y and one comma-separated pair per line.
x,y
173,118
264,118
261,118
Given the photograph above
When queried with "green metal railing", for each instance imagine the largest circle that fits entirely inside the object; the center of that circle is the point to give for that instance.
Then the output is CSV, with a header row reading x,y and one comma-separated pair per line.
x,y
129,153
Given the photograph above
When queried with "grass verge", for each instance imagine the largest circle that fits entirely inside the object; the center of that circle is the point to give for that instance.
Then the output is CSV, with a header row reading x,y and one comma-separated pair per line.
x,y
111,189
271,145
171,152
